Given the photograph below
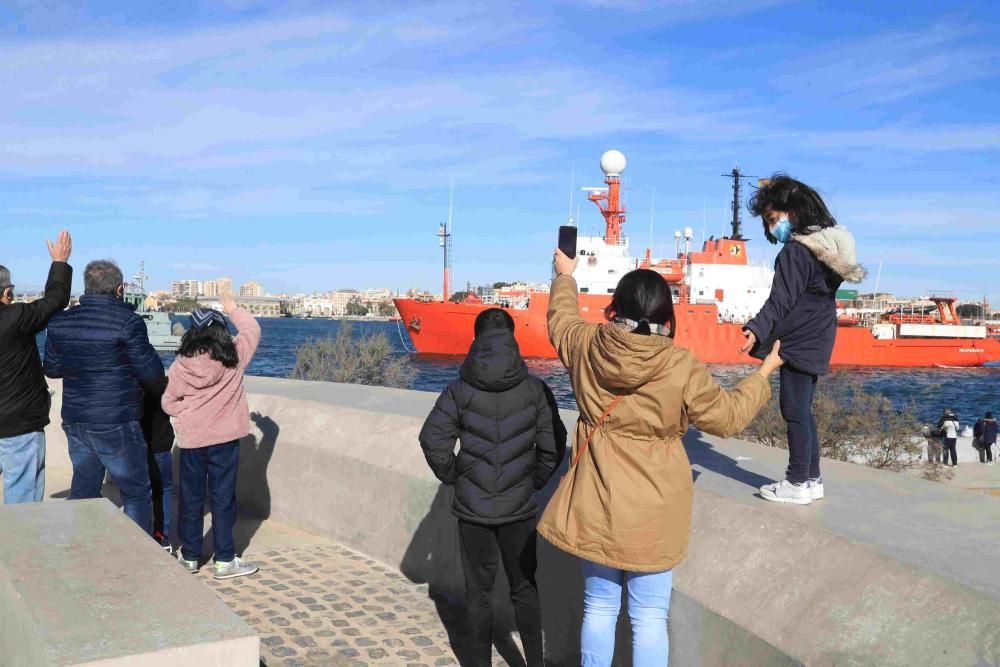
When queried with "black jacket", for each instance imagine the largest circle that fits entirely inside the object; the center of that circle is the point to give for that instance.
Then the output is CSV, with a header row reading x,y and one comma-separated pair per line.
x,y
156,427
511,437
801,310
24,395
101,350
986,431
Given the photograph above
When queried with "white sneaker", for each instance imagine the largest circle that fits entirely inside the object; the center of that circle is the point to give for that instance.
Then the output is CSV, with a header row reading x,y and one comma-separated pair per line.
x,y
786,492
237,567
815,487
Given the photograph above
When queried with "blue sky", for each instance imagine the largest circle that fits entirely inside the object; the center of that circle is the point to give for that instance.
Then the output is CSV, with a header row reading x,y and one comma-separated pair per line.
x,y
310,145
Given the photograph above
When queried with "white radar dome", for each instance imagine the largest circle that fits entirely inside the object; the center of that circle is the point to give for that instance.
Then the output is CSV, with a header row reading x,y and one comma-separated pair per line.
x,y
612,163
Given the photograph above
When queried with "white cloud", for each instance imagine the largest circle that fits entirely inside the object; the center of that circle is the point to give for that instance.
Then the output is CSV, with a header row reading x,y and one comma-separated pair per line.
x,y
889,66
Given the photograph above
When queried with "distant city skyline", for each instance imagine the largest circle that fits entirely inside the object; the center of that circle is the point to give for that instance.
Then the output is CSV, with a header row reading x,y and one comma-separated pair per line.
x,y
302,146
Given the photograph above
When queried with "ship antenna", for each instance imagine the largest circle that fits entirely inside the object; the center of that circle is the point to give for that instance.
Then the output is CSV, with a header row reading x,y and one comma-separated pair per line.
x,y
572,183
444,232
141,277
451,231
652,215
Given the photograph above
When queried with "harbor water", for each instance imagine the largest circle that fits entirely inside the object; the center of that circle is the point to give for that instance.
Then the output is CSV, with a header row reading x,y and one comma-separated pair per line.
x,y
970,392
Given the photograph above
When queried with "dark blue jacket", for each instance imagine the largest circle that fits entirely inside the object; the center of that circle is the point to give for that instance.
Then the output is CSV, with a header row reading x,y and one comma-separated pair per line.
x,y
101,351
986,431
801,310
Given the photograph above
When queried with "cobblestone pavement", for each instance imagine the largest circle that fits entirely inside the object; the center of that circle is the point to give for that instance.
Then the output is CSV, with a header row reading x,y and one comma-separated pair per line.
x,y
330,605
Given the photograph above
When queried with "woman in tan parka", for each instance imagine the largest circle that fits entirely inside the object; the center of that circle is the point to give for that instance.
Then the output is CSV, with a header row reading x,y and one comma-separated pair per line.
x,y
624,506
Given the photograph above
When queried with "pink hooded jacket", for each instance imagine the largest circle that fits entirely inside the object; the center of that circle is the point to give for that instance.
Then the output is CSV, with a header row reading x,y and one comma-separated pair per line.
x,y
206,399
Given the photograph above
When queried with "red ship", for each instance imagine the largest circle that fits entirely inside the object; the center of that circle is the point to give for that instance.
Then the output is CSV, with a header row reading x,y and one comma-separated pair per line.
x,y
715,290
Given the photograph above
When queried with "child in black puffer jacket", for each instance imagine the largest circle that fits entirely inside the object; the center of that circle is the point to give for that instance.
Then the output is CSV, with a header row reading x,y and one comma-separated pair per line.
x,y
511,443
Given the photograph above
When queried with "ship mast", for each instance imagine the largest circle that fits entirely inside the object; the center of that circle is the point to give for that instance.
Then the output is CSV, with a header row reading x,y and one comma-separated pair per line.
x,y
608,199
737,206
444,234
141,277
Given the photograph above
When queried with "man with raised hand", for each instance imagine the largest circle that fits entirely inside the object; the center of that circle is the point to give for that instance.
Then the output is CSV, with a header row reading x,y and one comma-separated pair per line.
x,y
24,395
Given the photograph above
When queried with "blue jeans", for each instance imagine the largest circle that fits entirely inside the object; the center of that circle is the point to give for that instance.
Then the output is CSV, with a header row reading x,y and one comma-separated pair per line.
x,y
798,389
22,462
161,479
121,450
219,464
648,604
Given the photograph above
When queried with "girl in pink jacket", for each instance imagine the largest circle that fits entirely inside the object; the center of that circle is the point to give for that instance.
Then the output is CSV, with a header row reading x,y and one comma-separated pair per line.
x,y
206,398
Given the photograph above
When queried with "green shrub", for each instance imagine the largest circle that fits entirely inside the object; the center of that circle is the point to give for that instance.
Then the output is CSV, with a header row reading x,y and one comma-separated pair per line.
x,y
853,425
368,360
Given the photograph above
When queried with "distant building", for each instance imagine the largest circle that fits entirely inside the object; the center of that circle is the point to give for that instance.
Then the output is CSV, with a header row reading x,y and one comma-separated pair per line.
x,y
252,289
186,289
341,298
375,296
265,306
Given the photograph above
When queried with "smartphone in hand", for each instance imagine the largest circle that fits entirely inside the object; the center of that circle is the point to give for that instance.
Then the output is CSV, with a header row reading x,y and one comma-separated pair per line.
x,y
567,240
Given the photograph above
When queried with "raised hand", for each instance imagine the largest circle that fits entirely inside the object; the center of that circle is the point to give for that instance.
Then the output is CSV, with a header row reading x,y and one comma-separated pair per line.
x,y
228,305
563,264
62,248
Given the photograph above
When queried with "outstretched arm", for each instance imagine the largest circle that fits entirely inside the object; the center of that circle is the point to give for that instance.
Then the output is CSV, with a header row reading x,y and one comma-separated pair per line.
x,y
35,315
725,413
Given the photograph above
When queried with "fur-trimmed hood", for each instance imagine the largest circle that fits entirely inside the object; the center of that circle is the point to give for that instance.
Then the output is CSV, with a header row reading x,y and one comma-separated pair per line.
x,y
834,247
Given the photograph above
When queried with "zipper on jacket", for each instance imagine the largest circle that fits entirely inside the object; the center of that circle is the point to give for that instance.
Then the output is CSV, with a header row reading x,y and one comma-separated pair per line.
x,y
496,458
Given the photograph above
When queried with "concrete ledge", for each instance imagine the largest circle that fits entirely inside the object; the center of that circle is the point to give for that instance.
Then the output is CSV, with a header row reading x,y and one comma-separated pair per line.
x,y
80,584
888,570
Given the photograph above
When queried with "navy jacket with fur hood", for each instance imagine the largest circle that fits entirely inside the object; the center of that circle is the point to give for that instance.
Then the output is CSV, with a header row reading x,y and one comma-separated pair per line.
x,y
801,310
510,435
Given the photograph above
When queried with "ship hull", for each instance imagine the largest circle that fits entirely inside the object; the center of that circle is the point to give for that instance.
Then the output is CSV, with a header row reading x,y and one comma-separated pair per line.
x,y
447,328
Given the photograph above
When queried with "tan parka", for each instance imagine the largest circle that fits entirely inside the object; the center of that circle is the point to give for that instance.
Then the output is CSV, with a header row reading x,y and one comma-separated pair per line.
x,y
627,501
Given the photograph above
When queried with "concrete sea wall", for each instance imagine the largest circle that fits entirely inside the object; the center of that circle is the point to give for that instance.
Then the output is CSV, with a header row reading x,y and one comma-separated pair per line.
x,y
887,570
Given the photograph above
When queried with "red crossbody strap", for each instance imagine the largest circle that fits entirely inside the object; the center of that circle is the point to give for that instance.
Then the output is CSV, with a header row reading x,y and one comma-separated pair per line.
x,y
580,450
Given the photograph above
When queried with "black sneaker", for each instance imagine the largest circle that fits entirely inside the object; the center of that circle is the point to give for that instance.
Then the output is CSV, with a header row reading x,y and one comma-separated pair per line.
x,y
163,541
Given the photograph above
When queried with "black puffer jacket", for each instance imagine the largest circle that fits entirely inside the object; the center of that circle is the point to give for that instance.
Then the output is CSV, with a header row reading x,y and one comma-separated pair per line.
x,y
24,395
511,437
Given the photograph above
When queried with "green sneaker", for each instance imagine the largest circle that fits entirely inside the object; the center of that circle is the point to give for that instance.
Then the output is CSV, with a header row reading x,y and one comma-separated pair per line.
x,y
237,567
189,565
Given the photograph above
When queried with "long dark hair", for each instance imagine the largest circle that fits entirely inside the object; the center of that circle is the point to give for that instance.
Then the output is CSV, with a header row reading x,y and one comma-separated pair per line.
x,y
805,208
644,296
214,339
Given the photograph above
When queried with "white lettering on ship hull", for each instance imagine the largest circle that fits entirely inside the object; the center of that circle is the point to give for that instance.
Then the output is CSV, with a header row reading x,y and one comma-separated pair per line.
x,y
971,349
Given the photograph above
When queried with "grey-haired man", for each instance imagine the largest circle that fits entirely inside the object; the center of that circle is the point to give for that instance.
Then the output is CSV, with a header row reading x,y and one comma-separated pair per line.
x,y
24,394
101,350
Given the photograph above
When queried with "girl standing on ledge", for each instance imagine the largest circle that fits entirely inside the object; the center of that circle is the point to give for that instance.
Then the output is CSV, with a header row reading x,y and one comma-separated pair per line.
x,y
816,258
624,506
